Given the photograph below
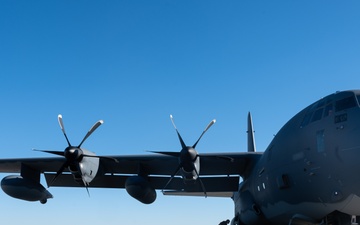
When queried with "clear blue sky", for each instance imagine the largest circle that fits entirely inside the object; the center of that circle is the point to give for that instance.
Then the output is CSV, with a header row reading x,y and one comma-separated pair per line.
x,y
132,63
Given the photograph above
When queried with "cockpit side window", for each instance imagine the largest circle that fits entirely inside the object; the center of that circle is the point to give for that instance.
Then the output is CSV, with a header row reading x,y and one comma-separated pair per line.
x,y
314,113
345,103
317,114
306,120
320,109
328,110
358,99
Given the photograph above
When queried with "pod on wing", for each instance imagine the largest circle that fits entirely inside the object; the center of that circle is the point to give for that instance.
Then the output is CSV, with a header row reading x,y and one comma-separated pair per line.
x,y
25,189
139,188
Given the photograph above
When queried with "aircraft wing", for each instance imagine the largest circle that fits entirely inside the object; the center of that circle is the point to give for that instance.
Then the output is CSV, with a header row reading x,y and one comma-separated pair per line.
x,y
220,172
49,164
156,164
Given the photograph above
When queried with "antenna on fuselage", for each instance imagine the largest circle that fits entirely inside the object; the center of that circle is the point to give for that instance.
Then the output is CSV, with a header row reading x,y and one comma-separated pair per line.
x,y
251,137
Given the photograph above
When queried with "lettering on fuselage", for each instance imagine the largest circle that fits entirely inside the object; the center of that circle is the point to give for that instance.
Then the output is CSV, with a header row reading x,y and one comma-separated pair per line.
x,y
341,118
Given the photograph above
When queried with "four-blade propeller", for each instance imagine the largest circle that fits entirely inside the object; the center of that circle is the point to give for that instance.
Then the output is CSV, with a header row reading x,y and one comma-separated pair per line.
x,y
188,158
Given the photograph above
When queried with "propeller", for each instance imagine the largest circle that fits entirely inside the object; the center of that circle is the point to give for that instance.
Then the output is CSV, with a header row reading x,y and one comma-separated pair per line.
x,y
74,154
188,157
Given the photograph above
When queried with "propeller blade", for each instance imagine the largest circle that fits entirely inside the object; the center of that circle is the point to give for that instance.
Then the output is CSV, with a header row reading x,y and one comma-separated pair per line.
x,y
102,157
87,189
172,177
175,154
201,183
207,128
58,173
92,129
82,178
183,145
60,153
61,123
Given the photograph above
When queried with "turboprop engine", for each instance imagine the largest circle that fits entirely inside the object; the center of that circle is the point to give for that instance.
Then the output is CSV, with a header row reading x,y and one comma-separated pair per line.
x,y
189,159
25,189
82,163
139,188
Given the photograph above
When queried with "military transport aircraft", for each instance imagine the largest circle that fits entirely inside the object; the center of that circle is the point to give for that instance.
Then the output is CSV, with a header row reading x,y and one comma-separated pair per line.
x,y
307,175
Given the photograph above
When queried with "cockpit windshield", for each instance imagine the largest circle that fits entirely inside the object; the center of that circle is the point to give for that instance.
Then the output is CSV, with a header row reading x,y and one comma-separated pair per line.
x,y
326,106
345,103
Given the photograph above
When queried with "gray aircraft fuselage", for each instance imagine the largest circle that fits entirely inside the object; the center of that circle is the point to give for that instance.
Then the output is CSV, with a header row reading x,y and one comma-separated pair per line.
x,y
309,170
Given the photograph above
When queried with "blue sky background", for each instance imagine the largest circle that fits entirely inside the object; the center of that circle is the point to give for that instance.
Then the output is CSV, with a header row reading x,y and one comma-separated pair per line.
x,y
133,63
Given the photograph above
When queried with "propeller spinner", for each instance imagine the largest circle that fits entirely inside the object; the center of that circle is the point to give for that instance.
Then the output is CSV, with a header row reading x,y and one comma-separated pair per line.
x,y
189,160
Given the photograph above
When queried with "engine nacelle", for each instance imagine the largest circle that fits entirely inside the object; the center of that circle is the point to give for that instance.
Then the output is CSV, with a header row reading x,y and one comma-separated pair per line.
x,y
24,189
139,188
